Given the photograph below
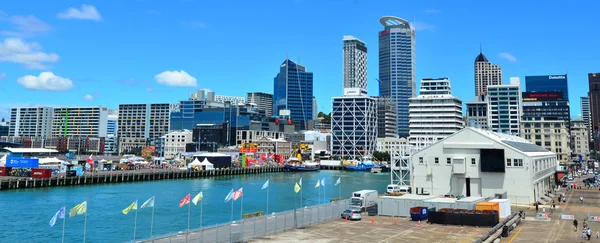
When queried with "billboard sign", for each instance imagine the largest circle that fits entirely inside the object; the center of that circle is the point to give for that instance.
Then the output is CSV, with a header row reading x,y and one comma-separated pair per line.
x,y
23,162
542,96
355,92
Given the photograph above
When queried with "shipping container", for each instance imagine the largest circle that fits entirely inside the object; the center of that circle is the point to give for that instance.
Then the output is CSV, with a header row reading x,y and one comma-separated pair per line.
x,y
41,173
504,207
469,203
491,206
440,202
400,206
3,171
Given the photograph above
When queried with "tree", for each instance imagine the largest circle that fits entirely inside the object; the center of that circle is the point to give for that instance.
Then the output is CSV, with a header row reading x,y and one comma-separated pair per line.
x,y
381,156
321,114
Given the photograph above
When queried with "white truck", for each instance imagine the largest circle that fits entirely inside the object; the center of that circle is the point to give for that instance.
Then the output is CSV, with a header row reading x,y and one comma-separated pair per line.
x,y
364,199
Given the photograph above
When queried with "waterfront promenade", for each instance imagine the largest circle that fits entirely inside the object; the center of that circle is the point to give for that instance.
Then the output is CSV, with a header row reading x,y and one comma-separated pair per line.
x,y
107,177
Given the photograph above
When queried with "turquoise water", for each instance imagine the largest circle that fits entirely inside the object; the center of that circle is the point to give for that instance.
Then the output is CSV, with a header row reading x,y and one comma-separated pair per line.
x,y
27,211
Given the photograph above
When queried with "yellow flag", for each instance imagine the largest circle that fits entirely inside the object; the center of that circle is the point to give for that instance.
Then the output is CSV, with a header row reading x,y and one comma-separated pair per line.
x,y
132,206
197,198
297,187
79,209
317,185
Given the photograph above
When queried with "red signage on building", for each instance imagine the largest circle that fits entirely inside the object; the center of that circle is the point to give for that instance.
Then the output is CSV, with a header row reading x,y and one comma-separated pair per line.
x,y
385,32
542,96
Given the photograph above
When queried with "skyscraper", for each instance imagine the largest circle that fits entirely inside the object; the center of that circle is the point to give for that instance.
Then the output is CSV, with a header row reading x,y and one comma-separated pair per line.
x,y
594,96
397,66
355,63
585,115
263,101
486,73
504,108
293,90
548,83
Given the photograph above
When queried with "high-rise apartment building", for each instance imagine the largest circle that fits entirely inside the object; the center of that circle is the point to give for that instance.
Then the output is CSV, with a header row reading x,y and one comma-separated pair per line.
x,y
397,67
585,115
79,121
504,108
552,135
144,120
594,96
387,118
548,105
486,73
263,101
548,83
31,122
435,113
355,63
112,124
293,91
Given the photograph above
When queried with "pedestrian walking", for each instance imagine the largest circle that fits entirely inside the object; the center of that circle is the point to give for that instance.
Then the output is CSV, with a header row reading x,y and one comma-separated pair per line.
x,y
581,199
537,207
575,224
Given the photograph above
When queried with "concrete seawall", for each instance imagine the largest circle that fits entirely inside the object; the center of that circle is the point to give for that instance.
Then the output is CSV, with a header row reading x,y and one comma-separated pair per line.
x,y
10,183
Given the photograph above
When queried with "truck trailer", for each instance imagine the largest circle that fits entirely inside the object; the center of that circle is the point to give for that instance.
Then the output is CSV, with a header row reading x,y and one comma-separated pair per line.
x,y
363,200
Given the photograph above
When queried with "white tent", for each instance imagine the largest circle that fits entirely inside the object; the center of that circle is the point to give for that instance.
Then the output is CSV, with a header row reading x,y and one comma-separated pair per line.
x,y
207,165
196,162
50,161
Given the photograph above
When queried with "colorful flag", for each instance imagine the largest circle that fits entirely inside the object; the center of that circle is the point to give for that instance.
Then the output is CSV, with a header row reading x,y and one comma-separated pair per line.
x,y
237,194
265,185
323,182
297,188
317,185
148,203
300,181
90,159
79,209
132,206
339,180
58,215
185,200
229,196
197,198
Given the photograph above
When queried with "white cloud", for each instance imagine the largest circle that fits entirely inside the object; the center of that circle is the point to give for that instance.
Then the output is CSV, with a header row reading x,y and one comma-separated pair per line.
x,y
432,11
88,97
46,81
87,12
420,26
507,56
2,76
176,78
29,54
26,26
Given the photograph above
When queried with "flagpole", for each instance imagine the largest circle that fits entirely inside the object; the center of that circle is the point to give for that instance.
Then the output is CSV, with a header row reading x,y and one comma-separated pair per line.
x,y
152,220
201,231
231,210
84,223
188,229
64,223
135,223
319,197
268,189
301,192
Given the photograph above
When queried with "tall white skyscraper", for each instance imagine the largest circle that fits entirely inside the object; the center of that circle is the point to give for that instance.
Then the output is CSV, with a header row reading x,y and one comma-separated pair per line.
x,y
585,114
486,73
355,63
397,66
435,113
505,108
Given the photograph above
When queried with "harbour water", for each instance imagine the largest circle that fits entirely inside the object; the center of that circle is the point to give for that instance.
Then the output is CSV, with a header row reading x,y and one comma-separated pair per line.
x,y
28,211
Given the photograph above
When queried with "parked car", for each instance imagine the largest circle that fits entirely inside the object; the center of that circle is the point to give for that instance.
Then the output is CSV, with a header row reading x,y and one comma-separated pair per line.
x,y
351,214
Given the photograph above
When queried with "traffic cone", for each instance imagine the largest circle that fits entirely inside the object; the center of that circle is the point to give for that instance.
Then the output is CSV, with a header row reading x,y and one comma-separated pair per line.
x,y
346,218
372,220
419,223
394,221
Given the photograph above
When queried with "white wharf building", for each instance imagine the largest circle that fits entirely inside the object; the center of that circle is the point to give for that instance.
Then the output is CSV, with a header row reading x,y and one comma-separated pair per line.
x,y
477,162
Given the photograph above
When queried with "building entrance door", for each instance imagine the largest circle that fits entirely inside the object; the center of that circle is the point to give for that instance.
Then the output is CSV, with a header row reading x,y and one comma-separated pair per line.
x,y
468,184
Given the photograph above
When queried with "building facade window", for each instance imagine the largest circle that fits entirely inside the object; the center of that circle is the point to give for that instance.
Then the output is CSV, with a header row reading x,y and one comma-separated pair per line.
x,y
437,160
420,160
473,161
508,162
448,161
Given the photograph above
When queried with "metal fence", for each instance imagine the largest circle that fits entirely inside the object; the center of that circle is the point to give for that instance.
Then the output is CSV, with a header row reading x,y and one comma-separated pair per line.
x,y
247,229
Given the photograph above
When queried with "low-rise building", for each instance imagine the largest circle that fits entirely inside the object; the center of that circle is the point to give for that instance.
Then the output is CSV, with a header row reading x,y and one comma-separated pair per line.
x,y
175,142
129,145
552,135
477,162
385,145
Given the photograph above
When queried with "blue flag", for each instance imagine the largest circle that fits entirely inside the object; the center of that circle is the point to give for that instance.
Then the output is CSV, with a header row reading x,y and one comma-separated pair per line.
x,y
59,215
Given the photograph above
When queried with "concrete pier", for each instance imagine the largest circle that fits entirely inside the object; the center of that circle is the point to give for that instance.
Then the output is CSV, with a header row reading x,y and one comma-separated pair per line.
x,y
107,177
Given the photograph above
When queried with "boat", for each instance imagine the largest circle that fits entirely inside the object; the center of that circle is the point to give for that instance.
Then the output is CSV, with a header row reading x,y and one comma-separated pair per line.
x,y
380,169
295,165
360,167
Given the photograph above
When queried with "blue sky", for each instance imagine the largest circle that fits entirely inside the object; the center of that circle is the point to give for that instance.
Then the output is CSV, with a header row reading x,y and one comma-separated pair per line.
x,y
130,51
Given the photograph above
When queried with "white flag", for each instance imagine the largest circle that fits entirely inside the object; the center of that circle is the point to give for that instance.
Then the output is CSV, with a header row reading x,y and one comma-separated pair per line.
x,y
58,215
265,185
323,182
339,180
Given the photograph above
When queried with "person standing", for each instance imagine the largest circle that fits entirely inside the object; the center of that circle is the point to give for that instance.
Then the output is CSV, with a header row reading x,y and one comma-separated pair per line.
x,y
575,224
537,207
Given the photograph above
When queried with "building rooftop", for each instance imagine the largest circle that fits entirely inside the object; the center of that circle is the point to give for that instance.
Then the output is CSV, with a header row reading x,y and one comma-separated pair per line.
x,y
481,58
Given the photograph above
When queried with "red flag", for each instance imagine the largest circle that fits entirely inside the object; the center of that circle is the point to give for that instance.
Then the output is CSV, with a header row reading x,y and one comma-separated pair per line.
x,y
237,194
185,200
90,159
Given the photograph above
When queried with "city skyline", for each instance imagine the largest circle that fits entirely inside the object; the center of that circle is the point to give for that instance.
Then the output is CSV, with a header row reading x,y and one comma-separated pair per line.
x,y
99,61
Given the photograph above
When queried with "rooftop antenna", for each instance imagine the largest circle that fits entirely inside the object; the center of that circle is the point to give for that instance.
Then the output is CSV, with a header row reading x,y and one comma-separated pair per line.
x,y
480,48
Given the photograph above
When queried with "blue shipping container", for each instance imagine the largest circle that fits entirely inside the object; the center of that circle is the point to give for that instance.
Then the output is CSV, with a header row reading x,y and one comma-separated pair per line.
x,y
23,162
